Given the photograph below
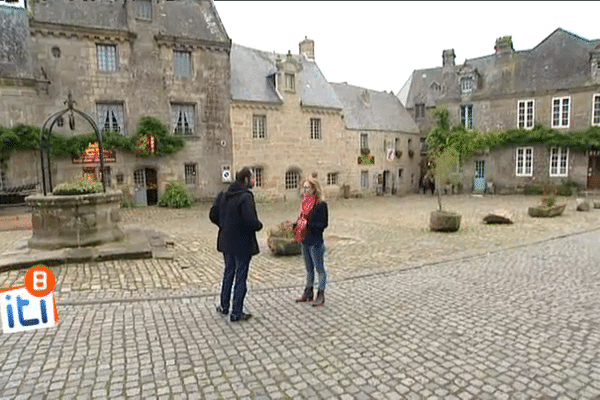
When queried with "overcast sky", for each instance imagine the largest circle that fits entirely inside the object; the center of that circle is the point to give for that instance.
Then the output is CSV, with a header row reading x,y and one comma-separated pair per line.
x,y
377,45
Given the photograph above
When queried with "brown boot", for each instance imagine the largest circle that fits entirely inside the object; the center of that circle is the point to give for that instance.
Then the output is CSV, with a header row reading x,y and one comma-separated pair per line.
x,y
320,300
306,296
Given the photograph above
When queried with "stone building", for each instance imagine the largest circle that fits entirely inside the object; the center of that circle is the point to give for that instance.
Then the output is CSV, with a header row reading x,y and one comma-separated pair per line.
x,y
555,84
122,60
377,124
288,122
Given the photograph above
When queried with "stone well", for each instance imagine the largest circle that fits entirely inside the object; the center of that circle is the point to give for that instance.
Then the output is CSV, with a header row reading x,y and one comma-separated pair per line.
x,y
75,221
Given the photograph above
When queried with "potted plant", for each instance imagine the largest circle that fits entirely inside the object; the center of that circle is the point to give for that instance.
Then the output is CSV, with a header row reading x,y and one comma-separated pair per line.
x,y
281,241
547,209
398,153
444,159
411,153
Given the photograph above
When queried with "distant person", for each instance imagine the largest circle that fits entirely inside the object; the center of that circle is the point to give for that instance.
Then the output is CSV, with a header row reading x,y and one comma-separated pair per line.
x,y
234,212
308,231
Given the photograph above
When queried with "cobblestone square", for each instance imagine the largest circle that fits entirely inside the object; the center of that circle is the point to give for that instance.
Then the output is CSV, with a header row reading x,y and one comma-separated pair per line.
x,y
492,311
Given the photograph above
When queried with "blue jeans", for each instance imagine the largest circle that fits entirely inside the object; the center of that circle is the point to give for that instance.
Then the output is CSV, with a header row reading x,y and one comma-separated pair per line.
x,y
236,266
314,259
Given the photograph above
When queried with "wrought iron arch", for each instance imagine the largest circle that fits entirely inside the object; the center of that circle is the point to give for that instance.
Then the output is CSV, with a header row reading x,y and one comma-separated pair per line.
x,y
47,131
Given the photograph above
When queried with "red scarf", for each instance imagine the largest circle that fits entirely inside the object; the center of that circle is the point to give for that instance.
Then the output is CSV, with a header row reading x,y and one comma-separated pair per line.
x,y
306,207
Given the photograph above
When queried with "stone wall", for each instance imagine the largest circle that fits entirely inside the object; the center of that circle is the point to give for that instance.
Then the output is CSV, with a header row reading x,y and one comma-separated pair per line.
x,y
500,167
144,83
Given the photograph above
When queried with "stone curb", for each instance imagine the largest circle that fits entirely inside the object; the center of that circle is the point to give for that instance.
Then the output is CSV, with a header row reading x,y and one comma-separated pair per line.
x,y
462,257
137,245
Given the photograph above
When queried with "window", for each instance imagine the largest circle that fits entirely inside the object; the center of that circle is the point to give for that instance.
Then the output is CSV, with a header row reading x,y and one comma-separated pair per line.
x,y
290,82
560,112
183,63
190,174
144,9
332,178
291,180
466,116
184,121
258,176
110,117
364,141
364,179
107,57
525,113
596,110
400,170
315,128
396,143
524,161
259,126
466,85
120,178
419,110
559,161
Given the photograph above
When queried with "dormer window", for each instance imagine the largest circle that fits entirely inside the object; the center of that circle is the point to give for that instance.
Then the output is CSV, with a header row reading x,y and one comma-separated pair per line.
x,y
290,82
466,85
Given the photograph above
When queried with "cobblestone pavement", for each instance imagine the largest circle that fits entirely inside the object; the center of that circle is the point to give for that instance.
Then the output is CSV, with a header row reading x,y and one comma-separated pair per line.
x,y
521,323
365,236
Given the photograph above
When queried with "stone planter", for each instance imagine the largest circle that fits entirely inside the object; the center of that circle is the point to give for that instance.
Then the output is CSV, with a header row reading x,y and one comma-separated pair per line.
x,y
283,246
444,221
546,212
74,221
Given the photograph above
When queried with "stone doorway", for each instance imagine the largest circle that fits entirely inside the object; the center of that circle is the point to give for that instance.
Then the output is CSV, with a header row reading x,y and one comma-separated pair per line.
x,y
146,187
593,178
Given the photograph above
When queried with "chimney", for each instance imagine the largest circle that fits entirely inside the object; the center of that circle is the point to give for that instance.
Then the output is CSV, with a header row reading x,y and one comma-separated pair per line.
x,y
448,57
504,45
307,48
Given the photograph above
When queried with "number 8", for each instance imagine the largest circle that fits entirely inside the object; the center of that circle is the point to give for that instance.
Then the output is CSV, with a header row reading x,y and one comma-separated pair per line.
x,y
40,281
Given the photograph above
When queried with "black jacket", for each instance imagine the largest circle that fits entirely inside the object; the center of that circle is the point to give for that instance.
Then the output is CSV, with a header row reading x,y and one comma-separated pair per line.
x,y
234,212
317,221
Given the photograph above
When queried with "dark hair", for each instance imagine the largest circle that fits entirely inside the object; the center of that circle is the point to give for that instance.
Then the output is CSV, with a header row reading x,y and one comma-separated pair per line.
x,y
242,174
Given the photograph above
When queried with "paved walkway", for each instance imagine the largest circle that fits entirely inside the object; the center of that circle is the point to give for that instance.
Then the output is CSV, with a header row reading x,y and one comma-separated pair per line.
x,y
409,313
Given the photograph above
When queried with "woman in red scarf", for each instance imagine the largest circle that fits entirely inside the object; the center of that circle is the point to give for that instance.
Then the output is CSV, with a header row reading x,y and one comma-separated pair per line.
x,y
308,231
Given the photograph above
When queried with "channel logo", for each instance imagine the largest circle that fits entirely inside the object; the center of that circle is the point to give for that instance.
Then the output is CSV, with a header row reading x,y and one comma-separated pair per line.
x,y
31,306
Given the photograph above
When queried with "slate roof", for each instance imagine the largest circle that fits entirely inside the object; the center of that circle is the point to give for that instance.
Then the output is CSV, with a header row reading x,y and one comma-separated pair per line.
x,y
561,60
252,79
194,19
372,110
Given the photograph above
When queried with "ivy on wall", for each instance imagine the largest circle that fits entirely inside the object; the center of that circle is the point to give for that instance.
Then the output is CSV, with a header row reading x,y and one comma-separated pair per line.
x,y
21,137
465,142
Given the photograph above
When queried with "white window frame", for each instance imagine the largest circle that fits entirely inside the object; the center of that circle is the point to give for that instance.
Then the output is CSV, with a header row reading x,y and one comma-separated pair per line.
x,y
259,126
466,84
561,111
183,114
364,141
523,115
190,171
559,161
364,179
466,117
182,60
332,178
290,81
596,109
111,117
258,176
107,59
527,152
144,9
315,128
